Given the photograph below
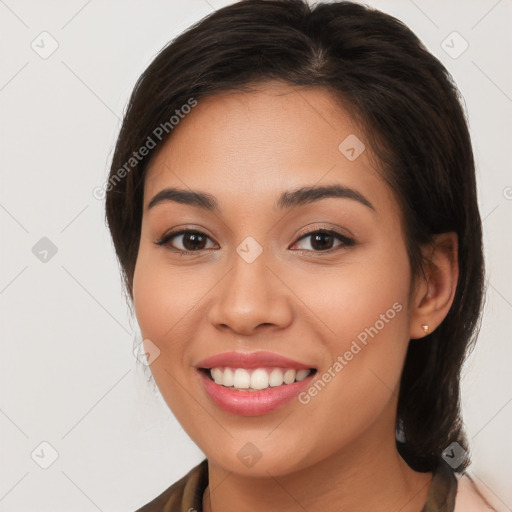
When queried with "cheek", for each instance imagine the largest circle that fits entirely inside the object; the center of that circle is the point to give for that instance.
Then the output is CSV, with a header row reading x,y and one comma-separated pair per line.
x,y
158,310
166,300
362,307
163,297
359,295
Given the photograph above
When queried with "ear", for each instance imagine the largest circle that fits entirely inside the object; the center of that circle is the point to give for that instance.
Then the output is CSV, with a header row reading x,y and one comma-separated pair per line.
x,y
434,291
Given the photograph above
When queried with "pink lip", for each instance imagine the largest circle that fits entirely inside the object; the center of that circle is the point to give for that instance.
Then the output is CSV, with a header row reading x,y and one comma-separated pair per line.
x,y
251,360
252,403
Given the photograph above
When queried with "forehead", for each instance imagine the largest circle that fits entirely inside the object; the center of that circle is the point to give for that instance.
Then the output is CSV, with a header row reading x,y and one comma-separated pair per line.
x,y
275,137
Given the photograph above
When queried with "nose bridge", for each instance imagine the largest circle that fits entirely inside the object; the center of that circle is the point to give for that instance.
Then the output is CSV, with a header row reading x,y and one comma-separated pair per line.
x,y
251,294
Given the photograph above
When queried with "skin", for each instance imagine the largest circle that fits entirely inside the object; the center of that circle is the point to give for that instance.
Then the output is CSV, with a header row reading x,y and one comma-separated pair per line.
x,y
246,148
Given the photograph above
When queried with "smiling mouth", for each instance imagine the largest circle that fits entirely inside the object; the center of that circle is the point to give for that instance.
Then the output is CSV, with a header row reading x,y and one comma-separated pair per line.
x,y
256,379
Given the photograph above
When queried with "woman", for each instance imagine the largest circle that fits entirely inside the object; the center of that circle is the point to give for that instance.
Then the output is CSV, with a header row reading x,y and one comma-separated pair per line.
x,y
292,201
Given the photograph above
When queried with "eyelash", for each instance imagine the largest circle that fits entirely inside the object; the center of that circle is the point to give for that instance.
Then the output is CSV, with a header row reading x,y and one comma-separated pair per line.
x,y
346,242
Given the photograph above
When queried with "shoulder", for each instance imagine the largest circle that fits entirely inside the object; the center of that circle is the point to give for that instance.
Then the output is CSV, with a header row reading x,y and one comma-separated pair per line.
x,y
186,493
469,497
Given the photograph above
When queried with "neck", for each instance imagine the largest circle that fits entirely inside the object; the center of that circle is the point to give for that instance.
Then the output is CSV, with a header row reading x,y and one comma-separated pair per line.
x,y
365,477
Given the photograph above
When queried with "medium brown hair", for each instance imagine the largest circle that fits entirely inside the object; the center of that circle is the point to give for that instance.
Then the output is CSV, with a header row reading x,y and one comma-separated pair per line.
x,y
410,112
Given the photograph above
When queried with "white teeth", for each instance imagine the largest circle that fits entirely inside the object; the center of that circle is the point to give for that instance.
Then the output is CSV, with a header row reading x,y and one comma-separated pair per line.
x,y
217,375
227,379
258,378
289,377
276,377
302,374
241,379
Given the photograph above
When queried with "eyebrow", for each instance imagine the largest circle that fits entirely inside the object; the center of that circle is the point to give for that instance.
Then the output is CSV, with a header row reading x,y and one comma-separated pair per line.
x,y
287,200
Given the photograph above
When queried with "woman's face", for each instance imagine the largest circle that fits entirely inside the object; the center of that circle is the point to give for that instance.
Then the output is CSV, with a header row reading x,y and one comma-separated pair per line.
x,y
260,278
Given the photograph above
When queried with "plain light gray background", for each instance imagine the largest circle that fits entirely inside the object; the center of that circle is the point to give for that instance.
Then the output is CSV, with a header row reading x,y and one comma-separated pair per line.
x,y
68,374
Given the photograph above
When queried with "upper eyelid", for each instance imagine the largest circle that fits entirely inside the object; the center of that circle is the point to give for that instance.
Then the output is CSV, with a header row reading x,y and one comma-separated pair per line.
x,y
336,234
327,230
166,237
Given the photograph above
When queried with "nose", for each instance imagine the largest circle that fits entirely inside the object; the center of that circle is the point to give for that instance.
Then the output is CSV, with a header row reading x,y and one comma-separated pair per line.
x,y
250,298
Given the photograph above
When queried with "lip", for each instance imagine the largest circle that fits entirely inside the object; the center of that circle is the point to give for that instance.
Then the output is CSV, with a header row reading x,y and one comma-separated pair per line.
x,y
251,360
252,403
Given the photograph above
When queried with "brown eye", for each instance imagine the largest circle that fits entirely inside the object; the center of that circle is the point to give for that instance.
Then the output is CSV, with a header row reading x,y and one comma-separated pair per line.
x,y
321,241
191,241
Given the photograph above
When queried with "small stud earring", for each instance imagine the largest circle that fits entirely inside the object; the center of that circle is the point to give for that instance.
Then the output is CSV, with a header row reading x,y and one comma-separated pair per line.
x,y
425,327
